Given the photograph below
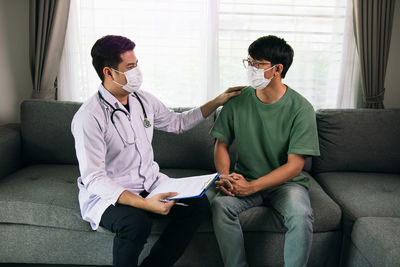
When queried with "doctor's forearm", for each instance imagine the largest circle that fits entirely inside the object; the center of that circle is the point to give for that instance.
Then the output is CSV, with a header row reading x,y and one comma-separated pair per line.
x,y
131,199
220,100
208,108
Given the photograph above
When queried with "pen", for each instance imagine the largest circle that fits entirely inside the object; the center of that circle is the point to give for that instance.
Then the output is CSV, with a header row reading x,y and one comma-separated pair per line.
x,y
176,203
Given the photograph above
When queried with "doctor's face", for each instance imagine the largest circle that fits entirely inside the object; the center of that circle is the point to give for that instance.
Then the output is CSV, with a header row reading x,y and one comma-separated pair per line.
x,y
129,61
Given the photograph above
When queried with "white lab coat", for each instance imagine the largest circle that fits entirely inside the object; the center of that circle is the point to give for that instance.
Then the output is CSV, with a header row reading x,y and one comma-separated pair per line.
x,y
107,166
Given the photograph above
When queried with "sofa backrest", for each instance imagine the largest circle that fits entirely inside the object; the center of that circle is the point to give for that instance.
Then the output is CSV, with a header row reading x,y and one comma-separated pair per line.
x,y
193,149
358,140
47,138
46,131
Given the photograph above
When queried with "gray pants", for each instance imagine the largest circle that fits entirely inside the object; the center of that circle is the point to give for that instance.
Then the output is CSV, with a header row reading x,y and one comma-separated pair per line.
x,y
290,200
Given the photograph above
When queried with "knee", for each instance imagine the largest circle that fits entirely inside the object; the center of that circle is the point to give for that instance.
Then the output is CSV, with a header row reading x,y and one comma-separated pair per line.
x,y
198,207
134,227
203,205
300,221
220,208
217,205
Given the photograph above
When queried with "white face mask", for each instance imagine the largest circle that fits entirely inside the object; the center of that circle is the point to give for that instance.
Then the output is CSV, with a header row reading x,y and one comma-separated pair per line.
x,y
134,79
256,77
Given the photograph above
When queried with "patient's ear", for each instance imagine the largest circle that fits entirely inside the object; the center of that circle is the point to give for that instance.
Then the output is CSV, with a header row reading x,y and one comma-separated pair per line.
x,y
279,68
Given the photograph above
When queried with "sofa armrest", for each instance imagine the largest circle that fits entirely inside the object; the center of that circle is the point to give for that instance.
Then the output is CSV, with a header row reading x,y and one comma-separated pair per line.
x,y
10,149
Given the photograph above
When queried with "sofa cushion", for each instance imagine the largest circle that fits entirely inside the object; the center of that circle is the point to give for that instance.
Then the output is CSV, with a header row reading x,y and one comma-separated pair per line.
x,y
10,149
363,194
43,195
358,140
46,131
47,195
378,240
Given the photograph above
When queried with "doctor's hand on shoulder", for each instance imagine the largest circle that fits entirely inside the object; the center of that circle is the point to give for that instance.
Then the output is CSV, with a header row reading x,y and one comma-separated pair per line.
x,y
208,108
228,94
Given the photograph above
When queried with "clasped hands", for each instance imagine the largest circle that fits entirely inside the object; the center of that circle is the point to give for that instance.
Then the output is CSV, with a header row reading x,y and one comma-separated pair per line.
x,y
234,184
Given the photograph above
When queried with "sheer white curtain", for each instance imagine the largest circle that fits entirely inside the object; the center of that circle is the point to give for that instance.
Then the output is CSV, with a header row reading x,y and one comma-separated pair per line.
x,y
189,51
314,29
172,39
349,89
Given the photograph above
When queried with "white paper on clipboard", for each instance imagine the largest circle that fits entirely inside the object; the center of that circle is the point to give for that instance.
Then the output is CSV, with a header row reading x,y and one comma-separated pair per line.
x,y
187,187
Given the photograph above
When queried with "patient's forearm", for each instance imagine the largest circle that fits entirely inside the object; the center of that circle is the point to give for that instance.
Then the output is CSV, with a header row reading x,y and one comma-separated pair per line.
x,y
280,175
221,157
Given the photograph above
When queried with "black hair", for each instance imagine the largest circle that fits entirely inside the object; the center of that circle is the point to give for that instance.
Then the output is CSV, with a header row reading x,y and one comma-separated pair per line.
x,y
273,49
106,52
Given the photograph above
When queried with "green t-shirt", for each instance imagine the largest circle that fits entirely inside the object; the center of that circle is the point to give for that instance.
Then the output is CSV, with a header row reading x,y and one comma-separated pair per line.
x,y
266,133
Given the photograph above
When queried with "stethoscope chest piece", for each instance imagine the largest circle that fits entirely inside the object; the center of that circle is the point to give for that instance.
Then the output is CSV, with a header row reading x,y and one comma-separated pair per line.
x,y
146,123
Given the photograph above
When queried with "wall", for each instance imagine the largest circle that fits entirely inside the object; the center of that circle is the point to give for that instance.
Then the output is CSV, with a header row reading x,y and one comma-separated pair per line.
x,y
392,81
15,78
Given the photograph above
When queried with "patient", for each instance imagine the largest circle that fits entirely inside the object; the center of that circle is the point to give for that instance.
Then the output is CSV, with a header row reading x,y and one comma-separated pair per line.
x,y
274,129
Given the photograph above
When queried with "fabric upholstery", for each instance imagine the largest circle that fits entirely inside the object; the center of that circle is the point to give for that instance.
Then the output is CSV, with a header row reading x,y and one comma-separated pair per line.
x,y
48,139
34,244
358,140
378,240
46,131
362,194
31,244
352,256
192,149
10,149
42,195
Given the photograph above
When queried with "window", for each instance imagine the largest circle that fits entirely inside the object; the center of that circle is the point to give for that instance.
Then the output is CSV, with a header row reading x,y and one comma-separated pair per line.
x,y
190,51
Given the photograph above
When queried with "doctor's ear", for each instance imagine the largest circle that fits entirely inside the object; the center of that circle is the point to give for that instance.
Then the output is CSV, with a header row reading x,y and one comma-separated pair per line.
x,y
107,72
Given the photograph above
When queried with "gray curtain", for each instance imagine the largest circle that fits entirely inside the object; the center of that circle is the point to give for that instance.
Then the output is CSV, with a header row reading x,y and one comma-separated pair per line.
x,y
47,26
373,21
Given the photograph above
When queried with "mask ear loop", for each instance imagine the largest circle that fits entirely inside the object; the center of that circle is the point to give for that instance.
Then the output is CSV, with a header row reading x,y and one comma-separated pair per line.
x,y
114,81
270,68
273,76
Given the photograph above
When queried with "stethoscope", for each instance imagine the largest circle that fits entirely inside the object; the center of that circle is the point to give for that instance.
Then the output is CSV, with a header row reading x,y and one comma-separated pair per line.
x,y
146,122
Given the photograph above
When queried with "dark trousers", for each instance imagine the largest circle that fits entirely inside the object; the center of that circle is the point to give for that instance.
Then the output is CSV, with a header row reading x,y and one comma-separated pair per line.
x,y
132,226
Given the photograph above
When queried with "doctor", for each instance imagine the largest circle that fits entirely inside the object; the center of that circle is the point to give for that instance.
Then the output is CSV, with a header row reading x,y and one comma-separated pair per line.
x,y
113,131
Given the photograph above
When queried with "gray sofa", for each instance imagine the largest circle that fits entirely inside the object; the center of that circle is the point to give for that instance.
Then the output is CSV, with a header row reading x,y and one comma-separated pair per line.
x,y
40,219
359,168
